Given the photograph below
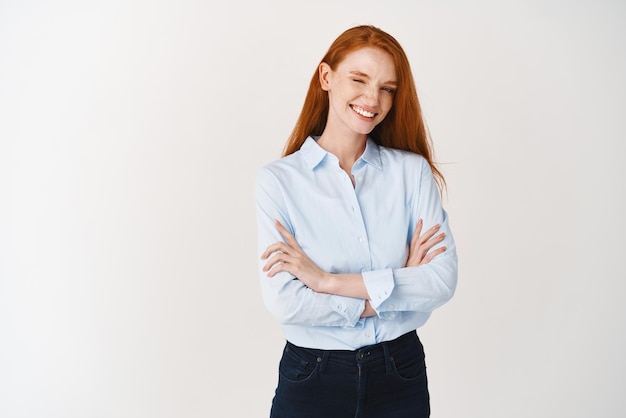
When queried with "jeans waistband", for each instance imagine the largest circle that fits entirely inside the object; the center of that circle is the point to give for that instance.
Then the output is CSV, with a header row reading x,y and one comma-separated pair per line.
x,y
371,353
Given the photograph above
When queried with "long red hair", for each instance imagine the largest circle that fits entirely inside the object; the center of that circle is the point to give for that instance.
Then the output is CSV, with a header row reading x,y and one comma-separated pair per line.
x,y
403,128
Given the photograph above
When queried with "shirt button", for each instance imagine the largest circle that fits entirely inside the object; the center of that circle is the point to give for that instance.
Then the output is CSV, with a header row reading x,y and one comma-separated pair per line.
x,y
361,240
390,307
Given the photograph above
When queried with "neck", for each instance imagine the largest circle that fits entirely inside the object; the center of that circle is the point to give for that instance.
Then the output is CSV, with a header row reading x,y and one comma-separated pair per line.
x,y
347,149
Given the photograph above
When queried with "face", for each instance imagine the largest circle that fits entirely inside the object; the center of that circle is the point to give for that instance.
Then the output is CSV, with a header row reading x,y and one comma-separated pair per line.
x,y
360,90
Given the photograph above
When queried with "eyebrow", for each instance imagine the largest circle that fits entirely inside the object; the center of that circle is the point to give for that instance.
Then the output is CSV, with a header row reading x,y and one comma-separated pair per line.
x,y
360,74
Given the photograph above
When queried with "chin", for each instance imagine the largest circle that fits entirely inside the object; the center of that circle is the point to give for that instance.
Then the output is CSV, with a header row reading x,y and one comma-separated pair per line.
x,y
363,130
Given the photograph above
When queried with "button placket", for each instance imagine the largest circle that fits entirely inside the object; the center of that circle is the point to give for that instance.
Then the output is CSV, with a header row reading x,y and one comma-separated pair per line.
x,y
354,207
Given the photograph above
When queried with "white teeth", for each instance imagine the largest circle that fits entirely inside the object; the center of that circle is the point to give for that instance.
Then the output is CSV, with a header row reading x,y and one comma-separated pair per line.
x,y
363,112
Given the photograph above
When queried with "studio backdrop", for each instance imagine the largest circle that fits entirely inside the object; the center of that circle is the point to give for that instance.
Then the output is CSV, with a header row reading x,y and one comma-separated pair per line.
x,y
130,136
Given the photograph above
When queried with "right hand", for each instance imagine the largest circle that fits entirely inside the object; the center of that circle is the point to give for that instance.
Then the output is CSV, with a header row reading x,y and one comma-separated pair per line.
x,y
421,244
368,310
418,254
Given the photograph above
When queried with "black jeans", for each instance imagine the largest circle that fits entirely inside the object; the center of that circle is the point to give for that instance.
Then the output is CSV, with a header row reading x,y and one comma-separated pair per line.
x,y
383,380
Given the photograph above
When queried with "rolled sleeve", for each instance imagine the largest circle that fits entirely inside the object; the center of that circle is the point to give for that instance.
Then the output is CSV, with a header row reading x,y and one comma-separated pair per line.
x,y
379,285
350,308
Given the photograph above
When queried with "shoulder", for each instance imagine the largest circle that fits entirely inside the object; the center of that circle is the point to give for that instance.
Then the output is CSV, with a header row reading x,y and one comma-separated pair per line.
x,y
282,166
278,175
407,161
297,165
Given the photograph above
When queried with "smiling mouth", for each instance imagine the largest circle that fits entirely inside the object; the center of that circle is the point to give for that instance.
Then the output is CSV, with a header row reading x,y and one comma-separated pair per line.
x,y
362,112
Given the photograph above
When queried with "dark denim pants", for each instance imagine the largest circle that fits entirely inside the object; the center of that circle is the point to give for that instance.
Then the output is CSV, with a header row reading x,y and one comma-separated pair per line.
x,y
383,380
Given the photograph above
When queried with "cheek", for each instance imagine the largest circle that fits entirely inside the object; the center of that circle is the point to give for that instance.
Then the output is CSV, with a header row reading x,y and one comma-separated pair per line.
x,y
386,104
341,93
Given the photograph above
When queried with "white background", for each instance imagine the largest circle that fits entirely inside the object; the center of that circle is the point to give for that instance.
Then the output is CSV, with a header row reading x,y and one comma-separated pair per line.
x,y
130,135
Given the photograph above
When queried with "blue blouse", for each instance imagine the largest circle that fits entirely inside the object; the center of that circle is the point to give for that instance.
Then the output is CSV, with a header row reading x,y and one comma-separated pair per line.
x,y
362,228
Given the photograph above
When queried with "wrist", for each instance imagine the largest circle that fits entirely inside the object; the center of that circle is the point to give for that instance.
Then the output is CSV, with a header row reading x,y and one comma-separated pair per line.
x,y
368,310
327,283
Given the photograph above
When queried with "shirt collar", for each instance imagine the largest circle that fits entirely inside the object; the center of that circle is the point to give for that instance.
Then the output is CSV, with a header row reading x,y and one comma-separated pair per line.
x,y
313,154
372,154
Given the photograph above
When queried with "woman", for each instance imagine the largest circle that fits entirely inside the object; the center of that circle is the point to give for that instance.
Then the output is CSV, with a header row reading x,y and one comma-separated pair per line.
x,y
345,265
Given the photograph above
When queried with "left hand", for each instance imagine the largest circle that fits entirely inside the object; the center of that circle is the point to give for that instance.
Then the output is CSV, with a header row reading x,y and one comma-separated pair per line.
x,y
421,244
288,256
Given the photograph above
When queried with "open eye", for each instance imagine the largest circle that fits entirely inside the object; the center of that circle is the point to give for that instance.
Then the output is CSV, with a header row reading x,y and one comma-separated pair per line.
x,y
388,90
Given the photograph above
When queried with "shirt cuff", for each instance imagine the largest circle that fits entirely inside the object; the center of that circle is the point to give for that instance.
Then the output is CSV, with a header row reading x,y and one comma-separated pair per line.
x,y
379,285
350,308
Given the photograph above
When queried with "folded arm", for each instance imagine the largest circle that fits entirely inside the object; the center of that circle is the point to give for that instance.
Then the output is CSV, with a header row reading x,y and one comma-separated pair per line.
x,y
297,291
288,299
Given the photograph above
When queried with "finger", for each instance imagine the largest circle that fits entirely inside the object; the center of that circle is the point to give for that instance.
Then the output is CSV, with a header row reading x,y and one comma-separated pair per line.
x,y
425,247
434,253
278,258
282,264
429,234
277,268
277,246
433,241
291,240
416,233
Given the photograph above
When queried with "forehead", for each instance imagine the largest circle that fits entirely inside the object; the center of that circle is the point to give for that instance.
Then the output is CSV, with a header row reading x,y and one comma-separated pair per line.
x,y
371,61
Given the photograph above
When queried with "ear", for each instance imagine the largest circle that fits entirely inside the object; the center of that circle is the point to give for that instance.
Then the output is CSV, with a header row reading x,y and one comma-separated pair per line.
x,y
324,72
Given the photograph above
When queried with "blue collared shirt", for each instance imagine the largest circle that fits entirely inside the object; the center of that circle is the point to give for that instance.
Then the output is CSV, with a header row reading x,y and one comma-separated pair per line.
x,y
344,228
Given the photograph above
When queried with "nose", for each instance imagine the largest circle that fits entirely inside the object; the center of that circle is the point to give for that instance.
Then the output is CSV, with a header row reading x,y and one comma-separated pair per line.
x,y
372,96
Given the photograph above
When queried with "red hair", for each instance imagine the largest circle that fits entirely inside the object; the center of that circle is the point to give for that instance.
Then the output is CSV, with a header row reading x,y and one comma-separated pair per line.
x,y
403,128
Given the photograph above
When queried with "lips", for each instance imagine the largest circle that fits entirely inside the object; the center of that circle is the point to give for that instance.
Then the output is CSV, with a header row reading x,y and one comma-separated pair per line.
x,y
362,112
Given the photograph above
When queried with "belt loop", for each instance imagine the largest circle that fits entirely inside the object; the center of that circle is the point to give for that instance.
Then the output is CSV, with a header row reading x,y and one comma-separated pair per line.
x,y
388,367
324,360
